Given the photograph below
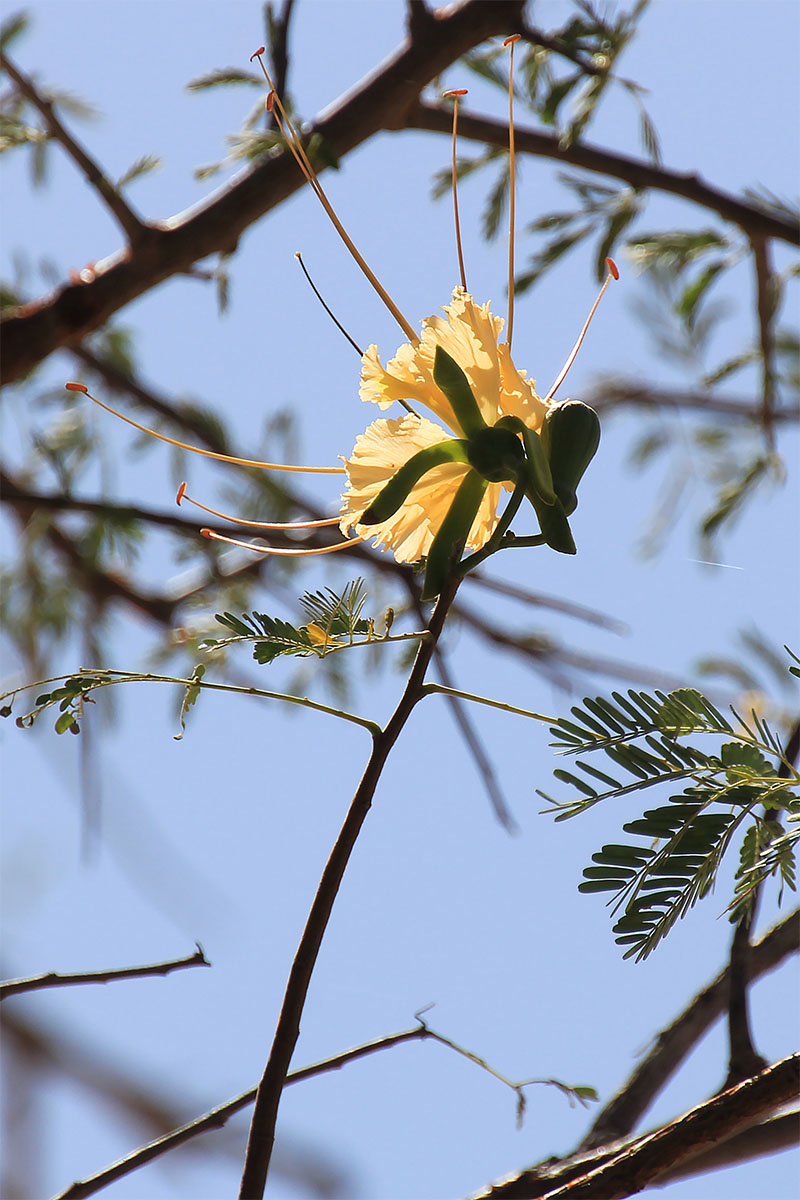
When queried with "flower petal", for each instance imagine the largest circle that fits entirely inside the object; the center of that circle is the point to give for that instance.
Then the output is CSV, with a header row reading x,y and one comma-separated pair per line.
x,y
384,447
470,335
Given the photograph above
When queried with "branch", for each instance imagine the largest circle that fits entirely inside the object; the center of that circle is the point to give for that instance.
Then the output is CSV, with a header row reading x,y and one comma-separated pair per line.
x,y
719,1129
130,223
639,174
615,393
765,306
52,979
676,1144
265,1115
217,1117
174,245
673,1044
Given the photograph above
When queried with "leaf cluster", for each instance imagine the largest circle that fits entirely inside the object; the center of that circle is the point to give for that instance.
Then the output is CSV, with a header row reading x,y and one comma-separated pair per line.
x,y
679,845
334,622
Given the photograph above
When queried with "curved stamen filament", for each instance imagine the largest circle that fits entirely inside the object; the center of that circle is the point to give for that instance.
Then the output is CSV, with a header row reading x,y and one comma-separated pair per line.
x,y
295,144
184,495
512,187
613,273
456,93
220,537
230,458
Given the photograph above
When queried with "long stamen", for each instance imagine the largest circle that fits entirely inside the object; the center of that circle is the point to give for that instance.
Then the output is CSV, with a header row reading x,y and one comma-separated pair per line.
x,y
295,144
456,93
512,187
184,495
220,537
230,458
613,273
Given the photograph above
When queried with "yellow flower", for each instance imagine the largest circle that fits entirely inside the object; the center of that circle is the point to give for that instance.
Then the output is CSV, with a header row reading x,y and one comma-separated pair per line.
x,y
470,335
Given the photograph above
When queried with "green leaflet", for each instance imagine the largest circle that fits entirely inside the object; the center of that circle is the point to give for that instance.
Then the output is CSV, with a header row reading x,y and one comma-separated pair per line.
x,y
453,532
449,377
394,494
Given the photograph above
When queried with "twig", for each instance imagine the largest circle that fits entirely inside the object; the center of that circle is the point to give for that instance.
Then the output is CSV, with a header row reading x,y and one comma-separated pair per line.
x,y
217,1117
278,40
53,979
130,223
765,307
673,1044
637,172
262,1128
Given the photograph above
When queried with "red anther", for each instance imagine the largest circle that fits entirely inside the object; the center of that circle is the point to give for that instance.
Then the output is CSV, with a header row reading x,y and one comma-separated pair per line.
x,y
612,266
454,92
181,492
270,101
261,50
77,387
207,533
514,38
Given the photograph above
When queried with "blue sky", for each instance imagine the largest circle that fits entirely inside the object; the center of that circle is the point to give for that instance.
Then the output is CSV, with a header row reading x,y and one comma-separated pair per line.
x,y
221,837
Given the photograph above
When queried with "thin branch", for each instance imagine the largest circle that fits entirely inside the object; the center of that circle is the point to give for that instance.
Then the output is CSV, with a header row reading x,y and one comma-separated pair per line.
x,y
770,1137
53,979
765,307
637,172
536,37
217,1117
615,393
483,763
262,1128
673,1044
174,245
570,609
131,224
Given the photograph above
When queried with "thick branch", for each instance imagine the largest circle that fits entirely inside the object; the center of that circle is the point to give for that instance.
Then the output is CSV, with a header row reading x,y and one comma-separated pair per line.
x,y
672,1046
616,393
635,171
704,1126
683,1147
14,986
382,101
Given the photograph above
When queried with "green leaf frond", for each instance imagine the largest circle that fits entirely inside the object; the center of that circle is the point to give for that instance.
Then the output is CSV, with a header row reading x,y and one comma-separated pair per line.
x,y
335,623
746,785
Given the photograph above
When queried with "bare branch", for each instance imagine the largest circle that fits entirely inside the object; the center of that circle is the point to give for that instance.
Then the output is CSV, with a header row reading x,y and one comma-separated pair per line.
x,y
53,979
382,102
615,393
637,172
130,223
765,306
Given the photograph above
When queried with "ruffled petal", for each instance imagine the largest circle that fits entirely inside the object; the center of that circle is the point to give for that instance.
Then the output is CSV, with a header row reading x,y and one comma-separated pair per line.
x,y
470,334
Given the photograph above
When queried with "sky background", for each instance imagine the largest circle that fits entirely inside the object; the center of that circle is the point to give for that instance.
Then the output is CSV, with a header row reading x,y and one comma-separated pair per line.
x,y
221,837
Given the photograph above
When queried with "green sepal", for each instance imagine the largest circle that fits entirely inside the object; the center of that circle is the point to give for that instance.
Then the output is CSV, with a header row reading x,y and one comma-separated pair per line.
x,y
553,524
541,478
395,493
496,454
571,435
453,532
450,379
